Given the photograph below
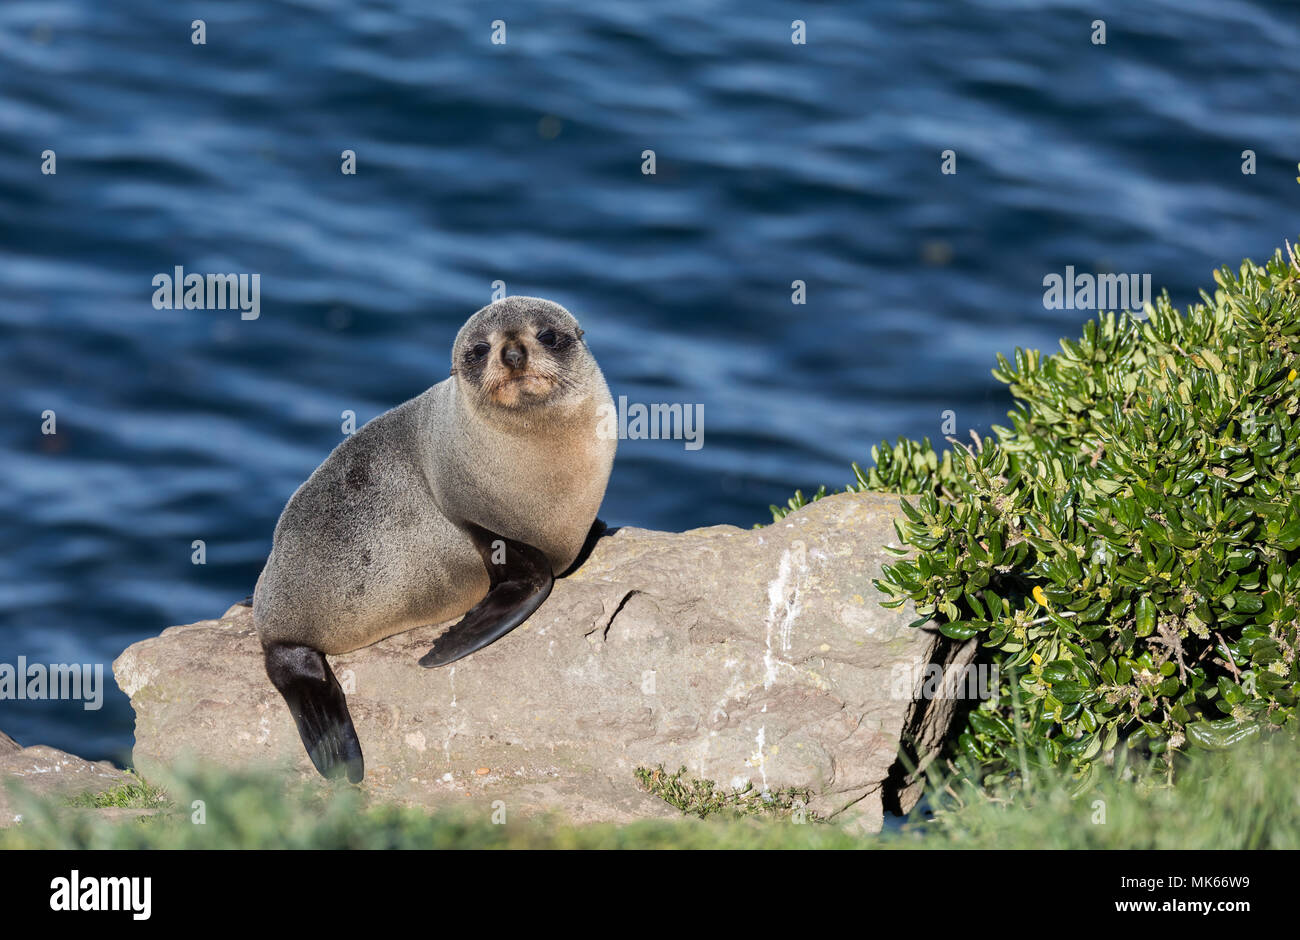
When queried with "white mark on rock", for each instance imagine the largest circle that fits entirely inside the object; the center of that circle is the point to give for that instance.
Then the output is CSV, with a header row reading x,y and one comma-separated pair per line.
x,y
782,608
760,759
416,740
454,727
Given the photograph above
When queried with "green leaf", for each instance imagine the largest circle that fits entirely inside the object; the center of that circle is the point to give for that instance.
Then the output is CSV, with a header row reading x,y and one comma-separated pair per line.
x,y
1221,734
1146,616
960,629
1058,671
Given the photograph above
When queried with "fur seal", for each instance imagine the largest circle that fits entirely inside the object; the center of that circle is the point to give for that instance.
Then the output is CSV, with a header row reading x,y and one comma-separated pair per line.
x,y
466,500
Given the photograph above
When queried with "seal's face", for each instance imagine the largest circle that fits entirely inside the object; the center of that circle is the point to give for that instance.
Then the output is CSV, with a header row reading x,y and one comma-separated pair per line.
x,y
519,353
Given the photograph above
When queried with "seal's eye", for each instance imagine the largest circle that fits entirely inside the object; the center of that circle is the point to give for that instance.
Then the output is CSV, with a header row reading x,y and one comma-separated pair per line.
x,y
480,350
547,337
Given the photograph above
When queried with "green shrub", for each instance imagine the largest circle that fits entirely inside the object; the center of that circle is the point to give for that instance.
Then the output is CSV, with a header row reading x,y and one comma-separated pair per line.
x,y
1127,550
907,467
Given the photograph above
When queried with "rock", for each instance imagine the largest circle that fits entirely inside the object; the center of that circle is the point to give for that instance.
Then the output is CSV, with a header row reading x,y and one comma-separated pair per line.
x,y
8,744
46,772
748,656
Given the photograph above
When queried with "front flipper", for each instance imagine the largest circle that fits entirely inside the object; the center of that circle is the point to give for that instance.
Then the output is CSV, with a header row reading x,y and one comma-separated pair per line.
x,y
521,578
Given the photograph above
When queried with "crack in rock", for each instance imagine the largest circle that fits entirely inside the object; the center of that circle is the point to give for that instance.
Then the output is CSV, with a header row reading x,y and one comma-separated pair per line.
x,y
604,635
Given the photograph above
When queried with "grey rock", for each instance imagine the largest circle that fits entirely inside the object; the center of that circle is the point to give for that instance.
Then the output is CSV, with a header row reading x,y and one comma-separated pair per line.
x,y
49,774
8,744
748,656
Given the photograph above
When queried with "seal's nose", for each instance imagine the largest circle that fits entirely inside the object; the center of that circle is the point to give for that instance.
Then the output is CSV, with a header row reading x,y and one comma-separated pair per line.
x,y
514,356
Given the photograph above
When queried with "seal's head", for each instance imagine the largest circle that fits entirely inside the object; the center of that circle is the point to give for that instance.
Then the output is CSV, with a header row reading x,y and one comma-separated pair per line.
x,y
522,353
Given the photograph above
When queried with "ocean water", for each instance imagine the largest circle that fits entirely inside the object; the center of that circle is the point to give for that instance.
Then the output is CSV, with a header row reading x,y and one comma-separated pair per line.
x,y
522,163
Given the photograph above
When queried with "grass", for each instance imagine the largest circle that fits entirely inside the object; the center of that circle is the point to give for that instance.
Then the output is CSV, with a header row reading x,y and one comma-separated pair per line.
x,y
216,809
703,798
1241,799
140,795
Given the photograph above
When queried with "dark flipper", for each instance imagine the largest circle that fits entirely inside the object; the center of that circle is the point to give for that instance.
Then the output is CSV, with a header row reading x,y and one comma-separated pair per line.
x,y
319,708
521,578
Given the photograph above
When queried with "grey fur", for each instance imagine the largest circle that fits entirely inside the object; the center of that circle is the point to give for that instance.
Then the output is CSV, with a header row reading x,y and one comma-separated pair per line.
x,y
372,545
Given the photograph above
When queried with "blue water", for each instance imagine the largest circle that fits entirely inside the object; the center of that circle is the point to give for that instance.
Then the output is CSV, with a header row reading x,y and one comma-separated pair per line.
x,y
478,162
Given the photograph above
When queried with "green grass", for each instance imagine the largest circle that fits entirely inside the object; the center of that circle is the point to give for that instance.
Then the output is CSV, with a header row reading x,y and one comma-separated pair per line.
x,y
1242,799
140,795
1245,798
253,811
704,798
